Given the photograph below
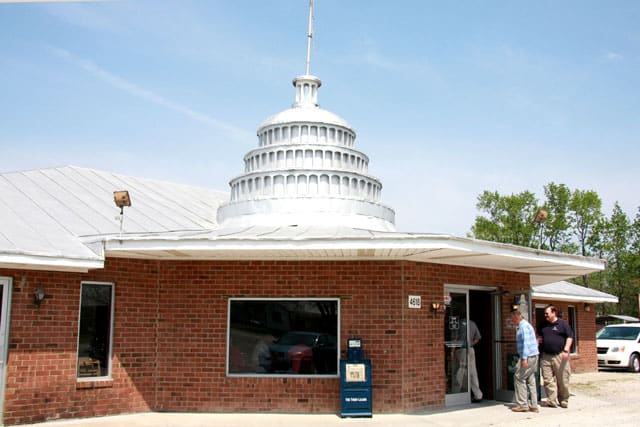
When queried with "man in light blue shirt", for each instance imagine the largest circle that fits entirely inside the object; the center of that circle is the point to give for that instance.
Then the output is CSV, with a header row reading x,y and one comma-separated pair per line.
x,y
524,377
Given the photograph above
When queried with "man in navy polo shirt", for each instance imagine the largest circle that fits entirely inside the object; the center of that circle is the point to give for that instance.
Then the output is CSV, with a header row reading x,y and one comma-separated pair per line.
x,y
556,339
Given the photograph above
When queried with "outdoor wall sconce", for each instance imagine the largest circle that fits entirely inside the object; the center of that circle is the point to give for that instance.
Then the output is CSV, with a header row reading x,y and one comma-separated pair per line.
x,y
587,306
435,307
38,296
516,303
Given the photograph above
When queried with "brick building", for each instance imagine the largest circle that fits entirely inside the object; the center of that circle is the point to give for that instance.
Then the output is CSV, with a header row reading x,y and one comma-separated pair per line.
x,y
197,300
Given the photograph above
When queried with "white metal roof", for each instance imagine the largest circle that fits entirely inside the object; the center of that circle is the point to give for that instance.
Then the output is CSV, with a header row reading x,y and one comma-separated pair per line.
x,y
567,291
626,319
65,219
47,214
342,243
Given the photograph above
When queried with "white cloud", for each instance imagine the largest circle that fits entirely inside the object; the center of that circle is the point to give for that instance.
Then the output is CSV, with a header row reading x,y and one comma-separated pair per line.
x,y
613,57
145,94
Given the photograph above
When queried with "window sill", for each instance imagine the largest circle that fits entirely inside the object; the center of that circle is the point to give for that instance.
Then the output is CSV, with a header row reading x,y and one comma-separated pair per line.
x,y
83,384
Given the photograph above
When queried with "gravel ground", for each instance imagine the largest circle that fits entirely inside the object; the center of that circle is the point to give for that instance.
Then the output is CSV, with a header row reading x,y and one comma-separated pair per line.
x,y
609,386
598,399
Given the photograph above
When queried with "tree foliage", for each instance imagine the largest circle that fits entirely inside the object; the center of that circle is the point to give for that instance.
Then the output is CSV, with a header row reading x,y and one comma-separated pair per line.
x,y
509,218
575,224
557,226
585,211
615,240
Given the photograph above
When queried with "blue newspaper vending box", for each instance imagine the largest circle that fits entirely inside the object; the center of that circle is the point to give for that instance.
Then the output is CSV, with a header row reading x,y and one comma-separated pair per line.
x,y
355,382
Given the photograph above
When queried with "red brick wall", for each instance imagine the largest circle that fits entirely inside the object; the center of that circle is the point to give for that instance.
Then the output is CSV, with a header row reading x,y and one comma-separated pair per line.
x,y
170,336
585,359
41,371
423,371
194,298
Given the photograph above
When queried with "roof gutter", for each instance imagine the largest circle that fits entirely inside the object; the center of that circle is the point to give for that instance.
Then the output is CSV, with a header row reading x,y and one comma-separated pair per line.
x,y
36,262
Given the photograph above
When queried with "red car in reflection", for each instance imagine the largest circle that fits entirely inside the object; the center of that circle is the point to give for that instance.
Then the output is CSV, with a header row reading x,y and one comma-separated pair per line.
x,y
300,352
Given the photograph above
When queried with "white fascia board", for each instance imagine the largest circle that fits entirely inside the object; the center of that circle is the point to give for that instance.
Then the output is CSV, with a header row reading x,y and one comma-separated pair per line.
x,y
407,242
501,249
571,298
36,262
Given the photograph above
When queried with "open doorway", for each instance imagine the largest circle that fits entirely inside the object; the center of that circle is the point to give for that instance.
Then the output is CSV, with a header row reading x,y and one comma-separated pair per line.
x,y
481,312
464,304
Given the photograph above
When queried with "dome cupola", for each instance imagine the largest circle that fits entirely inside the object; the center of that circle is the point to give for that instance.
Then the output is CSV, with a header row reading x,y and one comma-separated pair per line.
x,y
306,171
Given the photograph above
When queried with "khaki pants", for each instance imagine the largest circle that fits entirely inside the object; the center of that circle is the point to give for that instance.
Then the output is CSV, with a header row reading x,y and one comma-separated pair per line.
x,y
556,373
525,383
467,366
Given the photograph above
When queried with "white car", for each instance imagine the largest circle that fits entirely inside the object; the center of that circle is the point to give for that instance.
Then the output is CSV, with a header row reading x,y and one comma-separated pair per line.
x,y
619,346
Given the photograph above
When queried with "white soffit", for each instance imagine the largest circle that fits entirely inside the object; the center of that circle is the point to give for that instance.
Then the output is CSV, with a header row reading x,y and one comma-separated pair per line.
x,y
313,243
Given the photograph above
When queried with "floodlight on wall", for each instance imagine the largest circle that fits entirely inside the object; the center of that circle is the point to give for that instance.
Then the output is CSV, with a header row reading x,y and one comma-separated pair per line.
x,y
540,218
39,296
122,199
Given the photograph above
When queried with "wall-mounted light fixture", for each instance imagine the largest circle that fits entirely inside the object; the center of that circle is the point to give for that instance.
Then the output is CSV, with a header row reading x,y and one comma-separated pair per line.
x,y
39,296
587,306
436,306
516,303
122,199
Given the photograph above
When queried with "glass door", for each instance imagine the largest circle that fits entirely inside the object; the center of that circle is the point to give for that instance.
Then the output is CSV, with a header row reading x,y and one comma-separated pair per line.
x,y
506,353
456,346
5,293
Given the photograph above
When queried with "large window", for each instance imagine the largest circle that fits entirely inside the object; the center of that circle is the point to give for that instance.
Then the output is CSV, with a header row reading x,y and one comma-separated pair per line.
x,y
95,330
297,337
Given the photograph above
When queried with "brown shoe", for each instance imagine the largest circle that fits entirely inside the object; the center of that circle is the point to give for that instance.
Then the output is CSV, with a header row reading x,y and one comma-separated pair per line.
x,y
520,409
532,409
564,404
548,404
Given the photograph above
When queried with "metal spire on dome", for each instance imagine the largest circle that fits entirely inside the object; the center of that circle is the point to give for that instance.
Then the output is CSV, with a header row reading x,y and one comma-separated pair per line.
x,y
309,37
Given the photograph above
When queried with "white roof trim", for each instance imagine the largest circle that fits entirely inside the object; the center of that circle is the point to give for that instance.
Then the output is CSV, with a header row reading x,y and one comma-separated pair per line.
x,y
36,262
542,266
571,298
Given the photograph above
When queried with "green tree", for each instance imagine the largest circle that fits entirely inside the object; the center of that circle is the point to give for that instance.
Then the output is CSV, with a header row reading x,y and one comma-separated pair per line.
x,y
585,210
508,219
614,243
634,264
556,229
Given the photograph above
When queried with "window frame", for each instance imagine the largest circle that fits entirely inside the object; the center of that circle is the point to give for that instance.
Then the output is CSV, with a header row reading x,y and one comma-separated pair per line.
x,y
281,375
109,375
572,319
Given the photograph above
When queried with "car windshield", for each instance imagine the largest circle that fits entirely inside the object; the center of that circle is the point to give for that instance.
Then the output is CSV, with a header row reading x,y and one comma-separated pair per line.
x,y
618,333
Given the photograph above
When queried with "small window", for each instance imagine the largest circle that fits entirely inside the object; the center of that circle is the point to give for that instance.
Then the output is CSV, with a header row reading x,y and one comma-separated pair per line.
x,y
95,330
283,337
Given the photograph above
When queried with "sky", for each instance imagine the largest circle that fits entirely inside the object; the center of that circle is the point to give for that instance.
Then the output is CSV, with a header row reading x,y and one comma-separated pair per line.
x,y
448,99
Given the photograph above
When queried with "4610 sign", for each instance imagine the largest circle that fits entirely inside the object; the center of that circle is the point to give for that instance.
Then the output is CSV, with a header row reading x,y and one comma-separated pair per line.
x,y
415,301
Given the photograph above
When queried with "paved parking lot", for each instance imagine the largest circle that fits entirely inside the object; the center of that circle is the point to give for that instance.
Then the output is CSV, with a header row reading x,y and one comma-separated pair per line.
x,y
604,399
